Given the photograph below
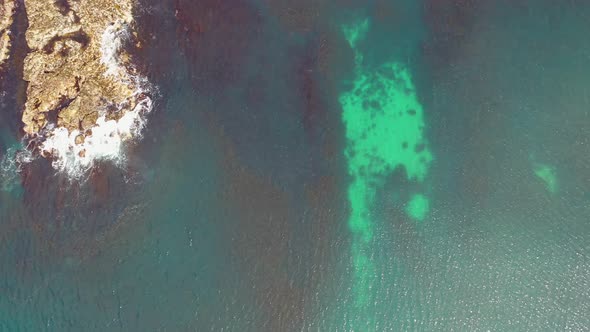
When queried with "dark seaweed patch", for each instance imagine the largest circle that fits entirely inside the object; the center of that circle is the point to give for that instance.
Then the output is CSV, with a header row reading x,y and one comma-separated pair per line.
x,y
420,147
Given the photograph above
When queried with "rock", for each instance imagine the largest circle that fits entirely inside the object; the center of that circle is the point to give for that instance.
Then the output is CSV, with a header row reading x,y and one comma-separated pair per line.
x,y
7,13
66,69
80,139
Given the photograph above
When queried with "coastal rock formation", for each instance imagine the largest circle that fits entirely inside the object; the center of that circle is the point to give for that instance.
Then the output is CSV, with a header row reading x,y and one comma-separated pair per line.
x,y
75,69
7,12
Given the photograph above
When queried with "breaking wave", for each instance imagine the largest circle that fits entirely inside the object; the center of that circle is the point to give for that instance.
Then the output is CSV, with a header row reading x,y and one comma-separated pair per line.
x,y
105,142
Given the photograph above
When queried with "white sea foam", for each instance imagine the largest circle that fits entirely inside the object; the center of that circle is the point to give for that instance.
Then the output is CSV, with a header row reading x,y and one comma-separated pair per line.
x,y
107,139
111,45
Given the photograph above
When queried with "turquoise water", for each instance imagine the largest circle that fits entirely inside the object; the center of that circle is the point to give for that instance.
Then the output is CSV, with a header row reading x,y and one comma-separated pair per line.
x,y
323,166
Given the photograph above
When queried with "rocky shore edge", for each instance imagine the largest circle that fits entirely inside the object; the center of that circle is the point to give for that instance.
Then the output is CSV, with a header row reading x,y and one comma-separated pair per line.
x,y
84,96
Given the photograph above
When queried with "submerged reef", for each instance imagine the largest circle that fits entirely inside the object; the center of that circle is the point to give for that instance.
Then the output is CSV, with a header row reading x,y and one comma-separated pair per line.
x,y
385,130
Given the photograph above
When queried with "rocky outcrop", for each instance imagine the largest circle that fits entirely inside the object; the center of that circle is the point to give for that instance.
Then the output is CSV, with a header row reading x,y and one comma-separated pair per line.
x,y
74,70
7,13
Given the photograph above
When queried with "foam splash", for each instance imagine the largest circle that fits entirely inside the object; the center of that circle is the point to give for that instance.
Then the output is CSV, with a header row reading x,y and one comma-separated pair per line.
x,y
105,143
111,45
75,156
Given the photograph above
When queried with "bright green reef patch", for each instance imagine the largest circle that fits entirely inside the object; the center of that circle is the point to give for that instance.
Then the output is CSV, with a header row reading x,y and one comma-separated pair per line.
x,y
548,175
384,124
354,32
418,207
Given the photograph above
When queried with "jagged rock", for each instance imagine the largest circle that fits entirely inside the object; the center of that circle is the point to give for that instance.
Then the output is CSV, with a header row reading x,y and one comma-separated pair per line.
x,y
79,139
67,79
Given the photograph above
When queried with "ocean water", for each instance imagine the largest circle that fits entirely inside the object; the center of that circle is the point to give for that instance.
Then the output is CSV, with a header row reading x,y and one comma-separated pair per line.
x,y
321,166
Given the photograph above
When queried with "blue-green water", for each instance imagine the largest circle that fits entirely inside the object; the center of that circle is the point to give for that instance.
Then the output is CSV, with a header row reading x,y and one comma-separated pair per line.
x,y
273,191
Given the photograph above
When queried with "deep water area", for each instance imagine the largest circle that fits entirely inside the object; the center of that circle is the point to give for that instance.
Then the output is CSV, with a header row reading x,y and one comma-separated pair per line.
x,y
321,165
